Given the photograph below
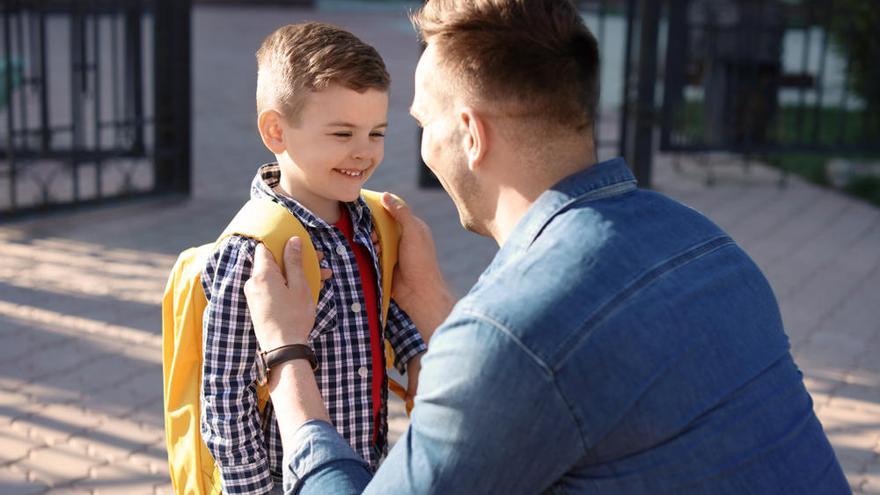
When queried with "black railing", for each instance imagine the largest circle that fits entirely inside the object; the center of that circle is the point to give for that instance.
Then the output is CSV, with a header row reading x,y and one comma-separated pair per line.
x,y
94,104
761,77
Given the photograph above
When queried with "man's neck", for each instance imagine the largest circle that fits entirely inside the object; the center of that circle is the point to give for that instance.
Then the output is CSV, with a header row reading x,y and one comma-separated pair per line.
x,y
515,199
512,206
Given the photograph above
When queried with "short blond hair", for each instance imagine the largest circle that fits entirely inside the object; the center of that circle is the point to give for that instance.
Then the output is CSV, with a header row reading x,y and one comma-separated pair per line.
x,y
300,58
529,58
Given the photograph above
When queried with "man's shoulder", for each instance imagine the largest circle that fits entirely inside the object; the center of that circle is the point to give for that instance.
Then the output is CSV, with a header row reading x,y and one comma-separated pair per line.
x,y
591,259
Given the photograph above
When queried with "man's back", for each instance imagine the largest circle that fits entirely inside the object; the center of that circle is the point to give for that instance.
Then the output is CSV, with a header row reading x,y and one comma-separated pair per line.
x,y
619,343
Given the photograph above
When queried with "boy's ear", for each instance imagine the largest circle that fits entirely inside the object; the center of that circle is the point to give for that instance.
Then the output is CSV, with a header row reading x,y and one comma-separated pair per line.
x,y
476,137
269,122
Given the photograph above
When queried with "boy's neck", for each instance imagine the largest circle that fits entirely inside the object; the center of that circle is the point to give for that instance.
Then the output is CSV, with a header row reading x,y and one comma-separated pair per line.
x,y
328,210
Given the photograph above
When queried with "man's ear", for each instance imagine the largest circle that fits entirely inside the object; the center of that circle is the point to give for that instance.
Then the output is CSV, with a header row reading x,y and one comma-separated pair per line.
x,y
476,136
269,122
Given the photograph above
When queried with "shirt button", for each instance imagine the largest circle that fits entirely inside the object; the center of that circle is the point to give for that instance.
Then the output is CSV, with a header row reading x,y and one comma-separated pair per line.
x,y
356,308
340,250
363,371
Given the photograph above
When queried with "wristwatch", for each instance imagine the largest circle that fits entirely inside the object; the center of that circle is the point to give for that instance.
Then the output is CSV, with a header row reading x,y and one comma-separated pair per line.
x,y
270,359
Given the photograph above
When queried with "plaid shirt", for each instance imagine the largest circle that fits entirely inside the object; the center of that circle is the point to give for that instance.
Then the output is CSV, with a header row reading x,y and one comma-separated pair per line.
x,y
246,448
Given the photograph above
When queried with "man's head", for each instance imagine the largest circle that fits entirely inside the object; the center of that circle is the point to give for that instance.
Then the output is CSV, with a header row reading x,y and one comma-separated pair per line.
x,y
514,77
322,104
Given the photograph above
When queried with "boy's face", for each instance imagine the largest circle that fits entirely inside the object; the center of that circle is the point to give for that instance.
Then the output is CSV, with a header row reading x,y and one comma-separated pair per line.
x,y
336,144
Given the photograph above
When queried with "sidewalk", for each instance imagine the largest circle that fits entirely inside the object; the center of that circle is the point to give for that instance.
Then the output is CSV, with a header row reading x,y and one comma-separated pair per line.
x,y
80,364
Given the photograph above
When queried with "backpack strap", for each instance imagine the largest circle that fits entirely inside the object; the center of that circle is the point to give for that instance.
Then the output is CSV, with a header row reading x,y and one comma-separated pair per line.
x,y
389,238
272,224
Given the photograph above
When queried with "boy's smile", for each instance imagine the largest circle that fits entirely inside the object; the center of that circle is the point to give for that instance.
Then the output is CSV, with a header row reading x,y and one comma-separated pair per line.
x,y
334,146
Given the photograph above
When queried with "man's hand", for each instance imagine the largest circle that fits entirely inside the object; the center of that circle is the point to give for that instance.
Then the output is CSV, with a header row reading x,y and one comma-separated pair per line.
x,y
418,285
282,310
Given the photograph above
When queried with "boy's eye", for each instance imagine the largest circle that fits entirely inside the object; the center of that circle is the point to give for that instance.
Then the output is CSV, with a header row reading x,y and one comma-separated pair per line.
x,y
342,134
378,134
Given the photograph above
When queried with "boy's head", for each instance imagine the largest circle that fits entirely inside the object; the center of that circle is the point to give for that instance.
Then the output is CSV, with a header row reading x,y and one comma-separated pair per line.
x,y
298,59
322,104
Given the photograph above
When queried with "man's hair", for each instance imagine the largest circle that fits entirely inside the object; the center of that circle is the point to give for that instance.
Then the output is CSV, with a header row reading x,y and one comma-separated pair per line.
x,y
299,58
528,58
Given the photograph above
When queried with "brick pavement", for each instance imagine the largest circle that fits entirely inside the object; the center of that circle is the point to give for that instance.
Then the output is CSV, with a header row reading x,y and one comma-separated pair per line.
x,y
84,415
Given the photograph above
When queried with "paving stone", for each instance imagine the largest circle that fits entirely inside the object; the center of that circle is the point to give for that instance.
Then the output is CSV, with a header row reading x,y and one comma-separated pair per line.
x,y
869,481
121,477
154,459
56,423
164,489
58,465
829,351
116,439
854,433
15,445
14,481
150,414
397,420
147,384
71,490
13,406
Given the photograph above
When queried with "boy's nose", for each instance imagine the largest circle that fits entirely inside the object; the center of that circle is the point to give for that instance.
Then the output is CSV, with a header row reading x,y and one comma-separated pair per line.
x,y
361,154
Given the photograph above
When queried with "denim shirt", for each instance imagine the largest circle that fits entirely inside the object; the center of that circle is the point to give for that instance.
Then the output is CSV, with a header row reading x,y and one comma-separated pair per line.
x,y
619,342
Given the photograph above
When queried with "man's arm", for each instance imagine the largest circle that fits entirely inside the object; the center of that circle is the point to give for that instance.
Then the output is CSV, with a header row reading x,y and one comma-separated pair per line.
x,y
489,418
230,420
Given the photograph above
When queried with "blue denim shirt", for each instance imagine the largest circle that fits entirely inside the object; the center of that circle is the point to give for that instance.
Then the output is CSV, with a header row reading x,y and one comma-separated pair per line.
x,y
619,342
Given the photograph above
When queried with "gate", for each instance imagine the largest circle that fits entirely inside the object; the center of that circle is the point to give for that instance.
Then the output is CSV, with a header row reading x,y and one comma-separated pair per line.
x,y
94,102
771,77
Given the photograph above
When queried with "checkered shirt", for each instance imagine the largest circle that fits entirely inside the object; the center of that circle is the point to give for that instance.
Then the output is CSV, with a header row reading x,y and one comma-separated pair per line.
x,y
246,447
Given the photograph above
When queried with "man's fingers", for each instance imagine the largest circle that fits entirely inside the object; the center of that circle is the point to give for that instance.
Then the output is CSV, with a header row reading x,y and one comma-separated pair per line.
x,y
326,274
396,208
296,279
265,268
264,263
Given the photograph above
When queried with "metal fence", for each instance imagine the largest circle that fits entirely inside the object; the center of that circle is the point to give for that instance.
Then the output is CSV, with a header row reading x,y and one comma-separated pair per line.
x,y
762,77
94,102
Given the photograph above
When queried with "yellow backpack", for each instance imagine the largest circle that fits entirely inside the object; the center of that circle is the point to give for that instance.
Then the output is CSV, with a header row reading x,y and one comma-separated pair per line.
x,y
191,465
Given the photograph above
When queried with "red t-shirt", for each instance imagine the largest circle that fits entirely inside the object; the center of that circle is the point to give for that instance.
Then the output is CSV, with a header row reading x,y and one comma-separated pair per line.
x,y
371,303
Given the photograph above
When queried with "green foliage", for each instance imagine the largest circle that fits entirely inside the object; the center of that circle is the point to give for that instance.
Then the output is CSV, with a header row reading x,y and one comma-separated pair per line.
x,y
810,166
854,25
865,187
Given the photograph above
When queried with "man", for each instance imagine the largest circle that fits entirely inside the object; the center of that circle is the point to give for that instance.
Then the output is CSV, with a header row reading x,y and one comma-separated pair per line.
x,y
619,342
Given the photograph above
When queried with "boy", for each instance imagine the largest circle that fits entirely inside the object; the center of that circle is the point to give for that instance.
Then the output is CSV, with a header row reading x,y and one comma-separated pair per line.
x,y
322,103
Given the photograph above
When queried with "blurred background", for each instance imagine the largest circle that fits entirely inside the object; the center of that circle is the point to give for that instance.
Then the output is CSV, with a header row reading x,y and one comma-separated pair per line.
x,y
127,133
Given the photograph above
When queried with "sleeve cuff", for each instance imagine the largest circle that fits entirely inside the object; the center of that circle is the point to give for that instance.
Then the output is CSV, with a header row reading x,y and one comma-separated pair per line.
x,y
247,478
317,444
401,360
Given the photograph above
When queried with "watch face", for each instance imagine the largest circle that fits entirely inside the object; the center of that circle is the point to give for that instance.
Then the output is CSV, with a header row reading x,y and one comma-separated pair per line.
x,y
262,372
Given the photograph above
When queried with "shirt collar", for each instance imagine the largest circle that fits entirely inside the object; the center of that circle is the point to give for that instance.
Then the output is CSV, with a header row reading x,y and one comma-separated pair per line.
x,y
264,187
602,180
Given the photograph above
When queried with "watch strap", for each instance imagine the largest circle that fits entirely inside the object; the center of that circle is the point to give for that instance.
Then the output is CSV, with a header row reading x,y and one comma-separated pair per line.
x,y
286,353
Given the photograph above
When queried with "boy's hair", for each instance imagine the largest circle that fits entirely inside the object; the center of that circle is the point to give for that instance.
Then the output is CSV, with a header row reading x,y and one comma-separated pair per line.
x,y
299,58
529,58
